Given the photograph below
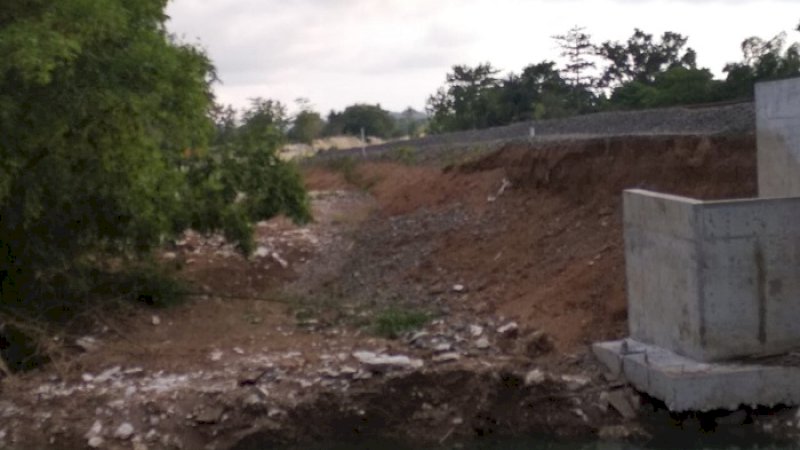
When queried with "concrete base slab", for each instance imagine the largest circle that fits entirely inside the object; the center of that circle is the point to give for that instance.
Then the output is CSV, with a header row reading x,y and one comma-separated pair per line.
x,y
688,385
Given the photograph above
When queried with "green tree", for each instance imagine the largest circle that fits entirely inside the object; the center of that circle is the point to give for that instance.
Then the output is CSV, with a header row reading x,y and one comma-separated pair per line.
x,y
104,126
676,86
465,101
306,127
762,60
642,57
577,47
375,121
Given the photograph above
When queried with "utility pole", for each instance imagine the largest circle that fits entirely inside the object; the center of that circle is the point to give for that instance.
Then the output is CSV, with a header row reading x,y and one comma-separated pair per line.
x,y
363,143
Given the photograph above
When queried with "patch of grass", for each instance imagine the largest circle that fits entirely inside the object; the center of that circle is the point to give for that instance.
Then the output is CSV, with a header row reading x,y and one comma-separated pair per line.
x,y
406,155
394,322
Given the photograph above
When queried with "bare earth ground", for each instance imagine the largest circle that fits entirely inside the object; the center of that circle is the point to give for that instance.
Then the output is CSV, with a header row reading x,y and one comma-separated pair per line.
x,y
516,258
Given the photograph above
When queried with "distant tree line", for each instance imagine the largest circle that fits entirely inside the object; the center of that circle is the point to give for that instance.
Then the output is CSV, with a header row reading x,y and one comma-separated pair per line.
x,y
642,72
306,125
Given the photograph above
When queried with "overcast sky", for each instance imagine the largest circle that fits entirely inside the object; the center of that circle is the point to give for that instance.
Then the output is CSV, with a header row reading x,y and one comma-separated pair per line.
x,y
397,52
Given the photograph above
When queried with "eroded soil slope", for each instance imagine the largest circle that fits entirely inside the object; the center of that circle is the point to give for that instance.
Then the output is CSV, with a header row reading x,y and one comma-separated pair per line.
x,y
534,234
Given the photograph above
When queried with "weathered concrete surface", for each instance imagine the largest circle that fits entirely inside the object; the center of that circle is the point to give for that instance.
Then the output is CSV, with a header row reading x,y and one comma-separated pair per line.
x,y
687,385
778,130
713,280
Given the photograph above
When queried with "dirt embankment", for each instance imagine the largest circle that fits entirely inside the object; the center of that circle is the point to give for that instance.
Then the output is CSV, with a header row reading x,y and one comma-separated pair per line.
x,y
534,233
516,259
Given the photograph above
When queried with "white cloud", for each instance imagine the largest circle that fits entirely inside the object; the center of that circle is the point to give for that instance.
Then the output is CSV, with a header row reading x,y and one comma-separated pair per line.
x,y
397,52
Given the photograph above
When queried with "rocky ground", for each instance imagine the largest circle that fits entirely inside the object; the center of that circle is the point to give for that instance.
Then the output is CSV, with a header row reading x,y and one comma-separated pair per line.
x,y
423,305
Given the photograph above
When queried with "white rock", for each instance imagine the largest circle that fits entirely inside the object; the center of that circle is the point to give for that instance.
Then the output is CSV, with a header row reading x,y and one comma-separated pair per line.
x,y
88,344
575,382
96,442
216,355
482,343
124,431
170,256
458,288
87,377
280,260
156,321
261,252
475,330
95,430
441,348
535,377
108,374
447,357
508,328
238,350
375,361
151,435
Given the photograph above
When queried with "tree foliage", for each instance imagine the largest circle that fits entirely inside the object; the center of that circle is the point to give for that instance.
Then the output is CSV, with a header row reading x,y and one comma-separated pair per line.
x,y
474,98
306,127
762,60
576,45
643,72
375,121
642,57
104,126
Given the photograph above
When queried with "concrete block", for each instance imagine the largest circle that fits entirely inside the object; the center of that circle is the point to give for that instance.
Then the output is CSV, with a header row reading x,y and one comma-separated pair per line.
x,y
684,384
778,135
713,280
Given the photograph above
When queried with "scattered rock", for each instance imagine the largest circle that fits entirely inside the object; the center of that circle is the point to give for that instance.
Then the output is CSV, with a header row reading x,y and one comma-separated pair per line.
x,y
417,336
447,357
238,350
280,260
475,330
216,355
124,431
155,320
151,435
95,430
88,344
441,348
348,371
108,374
387,362
209,415
261,252
459,288
96,442
509,330
254,402
535,377
575,382
482,343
